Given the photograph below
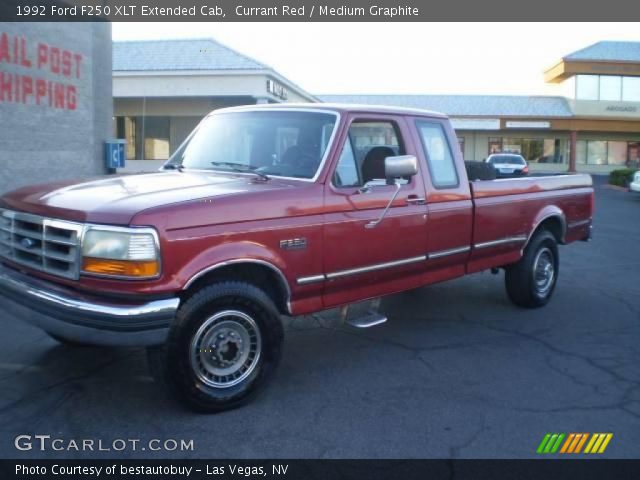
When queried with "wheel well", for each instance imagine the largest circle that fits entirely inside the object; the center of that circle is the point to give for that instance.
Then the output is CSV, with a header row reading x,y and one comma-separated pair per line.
x,y
262,276
555,226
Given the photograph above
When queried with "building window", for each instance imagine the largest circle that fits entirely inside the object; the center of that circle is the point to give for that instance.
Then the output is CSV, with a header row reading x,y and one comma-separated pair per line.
x,y
495,145
596,152
156,138
603,152
611,88
587,87
631,89
617,153
581,151
126,129
461,145
147,137
536,150
634,153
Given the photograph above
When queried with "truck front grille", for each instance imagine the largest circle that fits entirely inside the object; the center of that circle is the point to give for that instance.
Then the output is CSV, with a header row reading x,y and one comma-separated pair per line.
x,y
45,244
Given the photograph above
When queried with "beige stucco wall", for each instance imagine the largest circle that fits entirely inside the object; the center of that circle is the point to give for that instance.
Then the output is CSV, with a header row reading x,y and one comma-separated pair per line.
x,y
197,84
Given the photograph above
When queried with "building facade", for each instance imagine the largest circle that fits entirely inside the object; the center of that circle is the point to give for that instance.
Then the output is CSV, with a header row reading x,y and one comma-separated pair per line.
x,y
162,89
591,123
55,101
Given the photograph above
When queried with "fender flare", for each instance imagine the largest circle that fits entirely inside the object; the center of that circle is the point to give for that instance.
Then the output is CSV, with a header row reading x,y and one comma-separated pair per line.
x,y
550,211
236,254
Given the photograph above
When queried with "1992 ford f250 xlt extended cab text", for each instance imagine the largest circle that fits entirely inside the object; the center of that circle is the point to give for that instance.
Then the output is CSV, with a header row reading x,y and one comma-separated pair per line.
x,y
267,211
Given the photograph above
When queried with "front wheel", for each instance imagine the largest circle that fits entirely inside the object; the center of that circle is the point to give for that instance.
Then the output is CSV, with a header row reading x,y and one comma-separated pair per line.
x,y
222,349
531,281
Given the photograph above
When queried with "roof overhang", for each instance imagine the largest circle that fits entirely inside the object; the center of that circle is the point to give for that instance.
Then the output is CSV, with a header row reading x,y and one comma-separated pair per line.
x,y
567,68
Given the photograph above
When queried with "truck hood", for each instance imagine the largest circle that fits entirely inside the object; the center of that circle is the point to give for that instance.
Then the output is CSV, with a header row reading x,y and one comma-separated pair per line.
x,y
116,200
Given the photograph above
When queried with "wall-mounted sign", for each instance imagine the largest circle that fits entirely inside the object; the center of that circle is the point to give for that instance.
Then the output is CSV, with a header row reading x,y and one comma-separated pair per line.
x,y
524,124
38,73
475,123
277,90
512,149
622,108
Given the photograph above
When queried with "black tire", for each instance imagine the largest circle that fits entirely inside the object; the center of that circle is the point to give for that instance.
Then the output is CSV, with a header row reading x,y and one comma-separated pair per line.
x,y
208,339
527,287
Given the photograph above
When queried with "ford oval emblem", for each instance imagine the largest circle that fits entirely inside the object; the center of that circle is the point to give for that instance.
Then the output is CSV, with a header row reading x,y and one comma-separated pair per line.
x,y
28,243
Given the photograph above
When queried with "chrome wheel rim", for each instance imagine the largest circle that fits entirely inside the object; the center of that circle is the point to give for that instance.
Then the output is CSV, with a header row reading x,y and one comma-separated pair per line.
x,y
543,271
226,349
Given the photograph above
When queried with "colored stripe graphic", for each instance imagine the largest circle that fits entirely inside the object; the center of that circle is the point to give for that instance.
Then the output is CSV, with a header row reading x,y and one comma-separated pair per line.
x,y
581,443
568,442
550,443
543,443
598,443
573,443
555,447
607,439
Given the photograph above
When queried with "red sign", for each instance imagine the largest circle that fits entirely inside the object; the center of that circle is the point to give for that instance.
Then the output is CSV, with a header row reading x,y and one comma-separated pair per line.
x,y
51,83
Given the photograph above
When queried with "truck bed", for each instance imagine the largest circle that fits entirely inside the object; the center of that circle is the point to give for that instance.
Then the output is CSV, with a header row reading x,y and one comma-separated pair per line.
x,y
564,201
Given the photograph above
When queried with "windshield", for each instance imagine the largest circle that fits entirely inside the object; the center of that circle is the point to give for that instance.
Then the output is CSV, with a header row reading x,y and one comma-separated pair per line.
x,y
509,159
280,143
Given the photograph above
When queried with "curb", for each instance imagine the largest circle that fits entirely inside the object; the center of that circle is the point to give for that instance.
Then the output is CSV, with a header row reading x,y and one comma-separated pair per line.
x,y
615,187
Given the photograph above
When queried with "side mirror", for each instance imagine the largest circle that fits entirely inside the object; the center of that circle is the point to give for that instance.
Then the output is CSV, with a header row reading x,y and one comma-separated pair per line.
x,y
400,166
394,168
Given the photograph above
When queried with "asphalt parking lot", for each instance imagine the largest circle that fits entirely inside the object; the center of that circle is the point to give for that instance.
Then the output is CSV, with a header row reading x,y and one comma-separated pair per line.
x,y
456,372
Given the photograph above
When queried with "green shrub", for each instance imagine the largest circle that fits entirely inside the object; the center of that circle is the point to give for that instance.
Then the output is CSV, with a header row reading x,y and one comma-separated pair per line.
x,y
621,177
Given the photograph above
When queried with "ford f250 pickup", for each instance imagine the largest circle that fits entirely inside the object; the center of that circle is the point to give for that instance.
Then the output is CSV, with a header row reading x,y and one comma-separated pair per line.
x,y
267,211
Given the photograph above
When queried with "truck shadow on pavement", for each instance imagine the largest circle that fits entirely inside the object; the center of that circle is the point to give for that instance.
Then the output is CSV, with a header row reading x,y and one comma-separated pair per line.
x,y
40,377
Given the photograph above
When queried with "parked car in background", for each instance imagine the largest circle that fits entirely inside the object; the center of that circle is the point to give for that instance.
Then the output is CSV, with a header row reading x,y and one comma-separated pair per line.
x,y
634,186
508,164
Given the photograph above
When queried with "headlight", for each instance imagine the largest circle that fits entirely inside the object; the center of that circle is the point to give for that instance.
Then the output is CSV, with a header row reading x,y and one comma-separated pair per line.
x,y
121,252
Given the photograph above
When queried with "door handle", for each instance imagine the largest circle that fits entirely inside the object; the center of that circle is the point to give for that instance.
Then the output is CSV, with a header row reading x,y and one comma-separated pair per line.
x,y
416,200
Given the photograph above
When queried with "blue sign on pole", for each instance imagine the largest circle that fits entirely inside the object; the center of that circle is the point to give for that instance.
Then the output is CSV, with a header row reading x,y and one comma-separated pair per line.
x,y
115,153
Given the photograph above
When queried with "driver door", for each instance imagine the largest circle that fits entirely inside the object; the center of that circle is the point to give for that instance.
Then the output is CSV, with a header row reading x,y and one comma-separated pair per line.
x,y
362,262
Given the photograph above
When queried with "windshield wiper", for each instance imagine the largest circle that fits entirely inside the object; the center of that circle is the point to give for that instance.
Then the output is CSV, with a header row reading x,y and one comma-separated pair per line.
x,y
241,167
173,166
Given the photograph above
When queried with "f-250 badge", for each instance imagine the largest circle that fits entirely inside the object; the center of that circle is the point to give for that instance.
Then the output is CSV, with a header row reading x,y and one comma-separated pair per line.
x,y
293,244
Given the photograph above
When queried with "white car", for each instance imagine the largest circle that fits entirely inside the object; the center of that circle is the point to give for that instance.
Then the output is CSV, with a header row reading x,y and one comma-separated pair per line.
x,y
634,186
508,164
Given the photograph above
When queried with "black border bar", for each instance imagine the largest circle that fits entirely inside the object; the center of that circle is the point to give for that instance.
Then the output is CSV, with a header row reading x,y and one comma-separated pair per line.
x,y
335,469
318,11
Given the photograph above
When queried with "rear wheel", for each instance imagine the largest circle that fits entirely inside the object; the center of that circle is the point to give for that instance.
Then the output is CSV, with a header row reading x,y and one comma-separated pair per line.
x,y
531,281
224,347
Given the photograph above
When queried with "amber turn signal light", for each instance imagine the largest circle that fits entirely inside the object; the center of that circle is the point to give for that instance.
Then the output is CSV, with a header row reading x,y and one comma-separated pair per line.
x,y
121,268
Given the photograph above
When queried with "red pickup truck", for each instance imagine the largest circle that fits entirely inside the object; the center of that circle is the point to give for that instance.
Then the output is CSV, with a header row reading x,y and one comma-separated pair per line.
x,y
267,211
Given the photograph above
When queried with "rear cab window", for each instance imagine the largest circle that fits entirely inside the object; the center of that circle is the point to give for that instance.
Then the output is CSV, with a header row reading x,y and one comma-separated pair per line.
x,y
438,153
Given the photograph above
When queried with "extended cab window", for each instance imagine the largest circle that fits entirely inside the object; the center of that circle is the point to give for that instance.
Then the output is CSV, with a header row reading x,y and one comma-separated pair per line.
x,y
362,158
438,153
280,143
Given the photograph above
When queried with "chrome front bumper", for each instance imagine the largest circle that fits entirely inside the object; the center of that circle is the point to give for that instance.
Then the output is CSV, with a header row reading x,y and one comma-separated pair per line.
x,y
88,319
